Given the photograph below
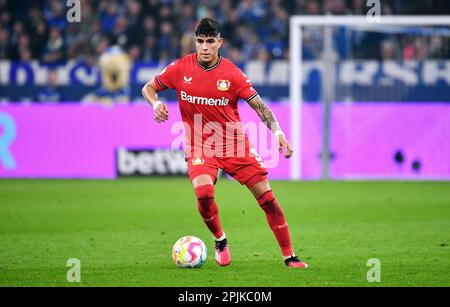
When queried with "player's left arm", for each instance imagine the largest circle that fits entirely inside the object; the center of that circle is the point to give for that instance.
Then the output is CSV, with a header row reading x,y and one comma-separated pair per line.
x,y
266,115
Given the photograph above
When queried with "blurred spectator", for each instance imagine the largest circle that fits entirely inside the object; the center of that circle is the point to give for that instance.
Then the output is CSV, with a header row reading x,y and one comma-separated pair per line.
x,y
55,14
335,7
119,33
164,42
54,51
150,49
359,7
437,48
263,55
312,7
109,14
134,52
275,45
250,50
389,50
18,29
101,46
134,20
22,50
416,50
186,21
51,93
39,38
5,46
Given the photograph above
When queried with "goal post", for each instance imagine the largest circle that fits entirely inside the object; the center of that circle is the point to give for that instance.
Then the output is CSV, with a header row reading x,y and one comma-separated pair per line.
x,y
296,35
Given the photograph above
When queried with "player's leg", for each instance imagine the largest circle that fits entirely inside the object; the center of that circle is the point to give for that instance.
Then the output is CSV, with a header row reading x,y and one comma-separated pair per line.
x,y
204,191
274,214
276,220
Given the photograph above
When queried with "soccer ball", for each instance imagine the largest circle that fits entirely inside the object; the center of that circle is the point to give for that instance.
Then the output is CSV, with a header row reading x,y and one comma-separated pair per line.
x,y
189,252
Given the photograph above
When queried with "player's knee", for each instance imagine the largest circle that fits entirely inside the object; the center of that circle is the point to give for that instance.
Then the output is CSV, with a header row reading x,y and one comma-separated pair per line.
x,y
205,197
266,199
268,202
206,204
204,192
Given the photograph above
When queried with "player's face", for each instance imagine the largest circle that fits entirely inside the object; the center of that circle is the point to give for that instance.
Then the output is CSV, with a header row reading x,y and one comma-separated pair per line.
x,y
208,48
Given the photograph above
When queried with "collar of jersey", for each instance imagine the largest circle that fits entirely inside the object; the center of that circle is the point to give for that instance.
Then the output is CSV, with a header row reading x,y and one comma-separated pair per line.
x,y
209,68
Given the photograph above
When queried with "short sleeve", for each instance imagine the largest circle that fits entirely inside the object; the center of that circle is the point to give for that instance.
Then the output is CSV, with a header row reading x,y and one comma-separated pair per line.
x,y
244,87
167,77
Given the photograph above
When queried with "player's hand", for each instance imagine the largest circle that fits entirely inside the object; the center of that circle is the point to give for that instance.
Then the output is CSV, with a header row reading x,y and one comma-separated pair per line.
x,y
284,147
161,113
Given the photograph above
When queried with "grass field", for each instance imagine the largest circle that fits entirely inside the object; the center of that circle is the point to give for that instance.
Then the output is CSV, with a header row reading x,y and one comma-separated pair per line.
x,y
122,232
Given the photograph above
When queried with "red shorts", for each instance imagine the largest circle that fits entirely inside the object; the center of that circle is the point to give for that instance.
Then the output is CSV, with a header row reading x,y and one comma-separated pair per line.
x,y
246,170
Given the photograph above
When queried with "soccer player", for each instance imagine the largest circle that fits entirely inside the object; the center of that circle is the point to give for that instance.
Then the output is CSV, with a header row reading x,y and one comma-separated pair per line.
x,y
208,88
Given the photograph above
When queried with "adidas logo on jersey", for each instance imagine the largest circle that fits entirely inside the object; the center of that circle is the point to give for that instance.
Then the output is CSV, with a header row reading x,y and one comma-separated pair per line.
x,y
204,100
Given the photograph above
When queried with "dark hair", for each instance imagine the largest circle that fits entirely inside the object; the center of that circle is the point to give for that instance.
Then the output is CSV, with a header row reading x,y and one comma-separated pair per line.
x,y
207,27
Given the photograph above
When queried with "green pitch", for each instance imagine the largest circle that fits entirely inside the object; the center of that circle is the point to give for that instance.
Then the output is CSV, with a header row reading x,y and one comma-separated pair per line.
x,y
122,232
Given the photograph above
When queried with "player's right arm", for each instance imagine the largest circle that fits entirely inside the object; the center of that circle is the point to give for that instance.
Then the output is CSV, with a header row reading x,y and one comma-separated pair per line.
x,y
150,93
167,78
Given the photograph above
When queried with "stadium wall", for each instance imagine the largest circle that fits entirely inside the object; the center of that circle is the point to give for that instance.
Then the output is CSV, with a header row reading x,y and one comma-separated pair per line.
x,y
357,80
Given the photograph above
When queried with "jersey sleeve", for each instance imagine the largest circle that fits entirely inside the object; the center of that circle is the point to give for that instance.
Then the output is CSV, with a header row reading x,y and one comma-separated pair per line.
x,y
244,87
167,78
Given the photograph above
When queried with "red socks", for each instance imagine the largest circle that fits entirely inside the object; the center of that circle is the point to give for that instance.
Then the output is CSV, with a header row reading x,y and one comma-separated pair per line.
x,y
277,222
208,209
274,214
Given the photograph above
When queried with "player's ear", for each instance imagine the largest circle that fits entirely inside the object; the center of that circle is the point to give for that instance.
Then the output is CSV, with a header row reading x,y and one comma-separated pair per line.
x,y
220,40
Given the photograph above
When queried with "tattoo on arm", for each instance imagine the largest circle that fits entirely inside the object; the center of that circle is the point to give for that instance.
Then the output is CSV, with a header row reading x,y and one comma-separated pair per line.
x,y
265,113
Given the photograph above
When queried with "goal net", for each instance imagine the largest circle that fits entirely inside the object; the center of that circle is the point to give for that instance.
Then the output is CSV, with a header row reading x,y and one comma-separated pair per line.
x,y
370,99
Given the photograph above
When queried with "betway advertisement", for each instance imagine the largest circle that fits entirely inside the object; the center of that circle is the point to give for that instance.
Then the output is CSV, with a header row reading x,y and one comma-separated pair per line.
x,y
367,140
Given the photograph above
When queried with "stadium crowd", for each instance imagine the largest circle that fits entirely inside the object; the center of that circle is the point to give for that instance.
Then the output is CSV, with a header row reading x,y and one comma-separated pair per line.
x,y
153,30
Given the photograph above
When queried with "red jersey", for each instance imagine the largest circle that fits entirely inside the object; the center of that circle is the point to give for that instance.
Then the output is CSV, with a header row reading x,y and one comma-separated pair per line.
x,y
208,101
